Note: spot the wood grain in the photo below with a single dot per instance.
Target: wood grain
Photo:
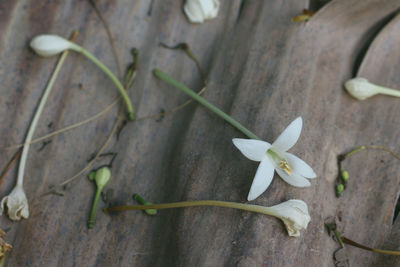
(263, 70)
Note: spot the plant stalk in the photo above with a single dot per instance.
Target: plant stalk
(216, 203)
(166, 78)
(107, 71)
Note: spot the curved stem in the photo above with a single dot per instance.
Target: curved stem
(107, 71)
(166, 78)
(216, 203)
(35, 120)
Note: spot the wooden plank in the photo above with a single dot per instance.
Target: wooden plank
(262, 69)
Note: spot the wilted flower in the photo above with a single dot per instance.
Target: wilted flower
(4, 246)
(47, 45)
(294, 214)
(17, 204)
(274, 157)
(362, 89)
(198, 11)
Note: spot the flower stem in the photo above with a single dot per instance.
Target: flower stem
(166, 78)
(360, 148)
(107, 71)
(388, 91)
(35, 120)
(216, 203)
(381, 251)
(94, 206)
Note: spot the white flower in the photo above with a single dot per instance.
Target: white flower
(198, 11)
(293, 213)
(290, 168)
(47, 45)
(362, 89)
(17, 204)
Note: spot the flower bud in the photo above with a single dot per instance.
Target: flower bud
(47, 45)
(361, 88)
(339, 189)
(102, 176)
(345, 176)
(198, 11)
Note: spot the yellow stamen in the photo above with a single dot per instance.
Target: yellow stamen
(284, 165)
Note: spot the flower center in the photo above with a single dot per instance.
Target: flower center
(284, 165)
(280, 161)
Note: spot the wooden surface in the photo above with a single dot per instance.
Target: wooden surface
(263, 70)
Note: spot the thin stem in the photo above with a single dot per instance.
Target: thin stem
(109, 34)
(360, 148)
(216, 203)
(36, 117)
(94, 206)
(165, 77)
(107, 71)
(89, 165)
(381, 251)
(388, 91)
(348, 154)
(384, 149)
(70, 127)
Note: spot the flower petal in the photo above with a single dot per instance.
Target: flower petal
(262, 179)
(294, 178)
(251, 148)
(289, 136)
(300, 166)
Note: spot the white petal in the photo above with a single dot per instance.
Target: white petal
(300, 166)
(251, 148)
(294, 178)
(262, 180)
(289, 136)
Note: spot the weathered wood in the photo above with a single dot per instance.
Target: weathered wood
(263, 70)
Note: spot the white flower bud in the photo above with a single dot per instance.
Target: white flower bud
(17, 204)
(294, 214)
(198, 11)
(361, 88)
(47, 45)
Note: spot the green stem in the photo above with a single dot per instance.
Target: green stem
(94, 206)
(381, 251)
(107, 71)
(224, 204)
(388, 91)
(165, 77)
(348, 154)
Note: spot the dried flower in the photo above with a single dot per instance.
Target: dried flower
(4, 246)
(17, 204)
(198, 11)
(274, 157)
(362, 89)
